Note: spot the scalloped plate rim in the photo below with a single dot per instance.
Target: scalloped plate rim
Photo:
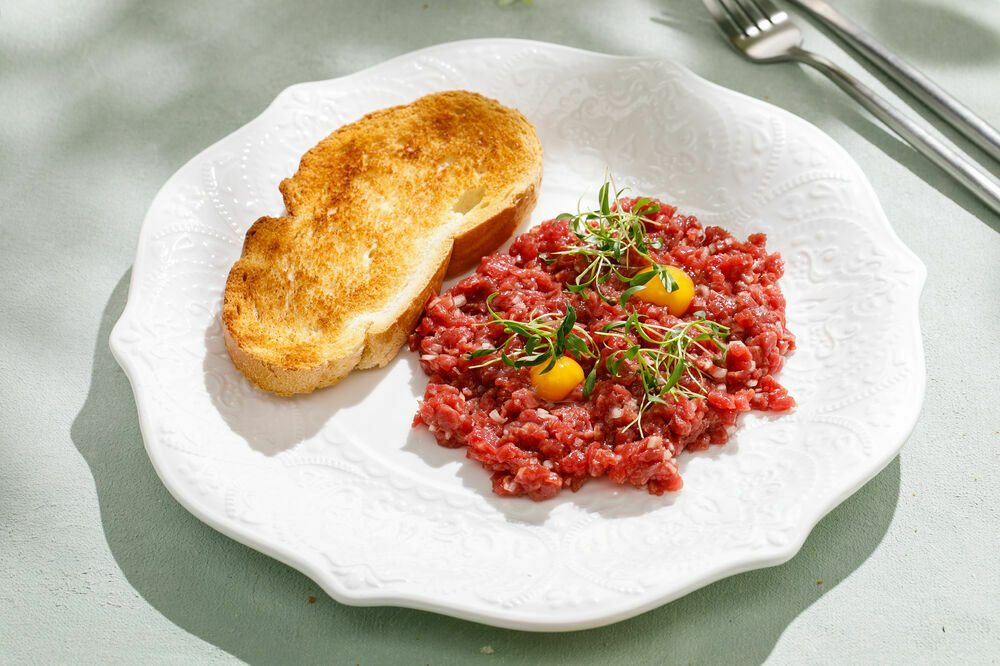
(770, 556)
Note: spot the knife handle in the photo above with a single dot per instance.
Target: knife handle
(944, 105)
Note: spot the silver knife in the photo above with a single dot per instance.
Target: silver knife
(950, 109)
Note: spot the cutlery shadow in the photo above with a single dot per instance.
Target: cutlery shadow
(977, 45)
(720, 64)
(906, 156)
(263, 611)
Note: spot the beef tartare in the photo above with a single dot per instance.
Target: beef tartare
(637, 380)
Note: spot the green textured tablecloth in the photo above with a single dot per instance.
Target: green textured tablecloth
(100, 102)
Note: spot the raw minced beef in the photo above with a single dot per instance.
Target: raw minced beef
(535, 447)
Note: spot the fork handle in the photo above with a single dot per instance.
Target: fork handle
(947, 107)
(958, 165)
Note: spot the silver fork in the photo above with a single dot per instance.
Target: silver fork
(764, 33)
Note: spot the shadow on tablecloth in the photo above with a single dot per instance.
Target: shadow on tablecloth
(265, 612)
(977, 45)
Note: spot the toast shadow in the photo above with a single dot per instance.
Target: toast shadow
(269, 423)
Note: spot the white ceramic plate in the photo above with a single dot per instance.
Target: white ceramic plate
(337, 485)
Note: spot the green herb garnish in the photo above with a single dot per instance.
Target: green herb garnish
(664, 360)
(613, 242)
(547, 338)
(662, 354)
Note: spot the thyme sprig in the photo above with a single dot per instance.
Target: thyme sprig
(609, 239)
(547, 338)
(665, 358)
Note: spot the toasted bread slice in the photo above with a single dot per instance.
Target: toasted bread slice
(378, 213)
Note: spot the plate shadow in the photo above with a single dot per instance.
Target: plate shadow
(262, 611)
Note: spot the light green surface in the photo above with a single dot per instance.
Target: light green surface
(99, 104)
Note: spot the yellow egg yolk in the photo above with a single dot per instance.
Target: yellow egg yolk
(676, 301)
(557, 383)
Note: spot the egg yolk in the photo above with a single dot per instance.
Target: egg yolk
(676, 301)
(557, 383)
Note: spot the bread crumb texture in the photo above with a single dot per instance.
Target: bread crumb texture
(373, 213)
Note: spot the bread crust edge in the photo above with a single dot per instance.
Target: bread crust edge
(383, 340)
(289, 381)
(479, 240)
(467, 249)
(388, 330)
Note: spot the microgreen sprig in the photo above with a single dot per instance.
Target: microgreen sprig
(547, 338)
(666, 357)
(662, 354)
(607, 240)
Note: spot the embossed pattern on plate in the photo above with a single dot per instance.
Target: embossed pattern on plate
(337, 485)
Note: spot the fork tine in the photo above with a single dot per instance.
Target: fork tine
(723, 20)
(755, 13)
(740, 17)
(771, 13)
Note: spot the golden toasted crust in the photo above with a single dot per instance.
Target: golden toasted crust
(378, 212)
